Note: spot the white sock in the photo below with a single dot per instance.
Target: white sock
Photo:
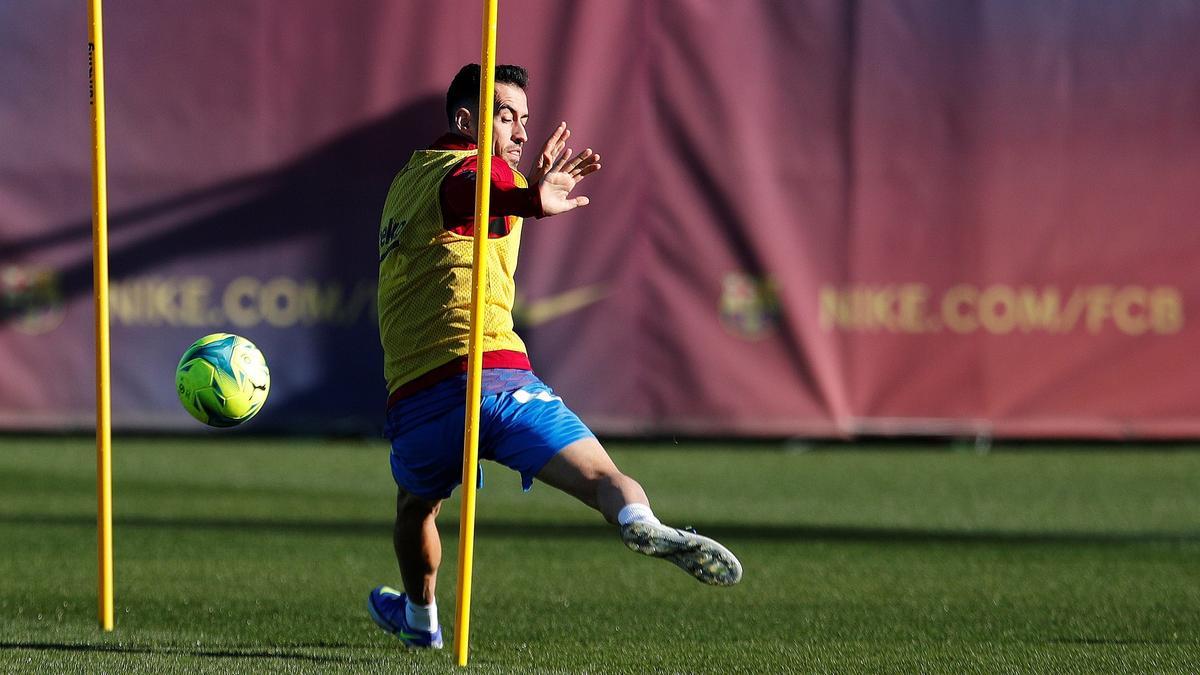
(635, 513)
(421, 617)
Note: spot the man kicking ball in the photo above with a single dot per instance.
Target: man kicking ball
(425, 253)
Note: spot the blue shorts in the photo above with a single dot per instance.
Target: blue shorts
(521, 428)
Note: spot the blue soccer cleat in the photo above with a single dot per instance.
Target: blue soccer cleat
(703, 558)
(386, 606)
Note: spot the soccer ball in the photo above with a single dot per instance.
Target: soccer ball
(222, 379)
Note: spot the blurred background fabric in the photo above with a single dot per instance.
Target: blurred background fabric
(815, 218)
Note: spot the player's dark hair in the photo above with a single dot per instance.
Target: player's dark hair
(464, 89)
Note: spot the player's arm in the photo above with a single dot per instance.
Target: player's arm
(510, 199)
(507, 198)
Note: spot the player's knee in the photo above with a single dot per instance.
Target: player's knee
(624, 482)
(601, 468)
(612, 481)
(599, 473)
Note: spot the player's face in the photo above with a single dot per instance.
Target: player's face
(508, 129)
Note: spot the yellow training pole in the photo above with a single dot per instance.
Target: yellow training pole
(483, 184)
(100, 277)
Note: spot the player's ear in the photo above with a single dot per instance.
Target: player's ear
(462, 121)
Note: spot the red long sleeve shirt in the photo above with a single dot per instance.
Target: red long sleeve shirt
(510, 196)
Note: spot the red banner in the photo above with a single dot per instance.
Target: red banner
(814, 217)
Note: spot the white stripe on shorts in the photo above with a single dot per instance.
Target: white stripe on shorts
(522, 396)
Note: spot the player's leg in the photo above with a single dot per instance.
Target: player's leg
(532, 431)
(417, 544)
(585, 471)
(412, 616)
(426, 439)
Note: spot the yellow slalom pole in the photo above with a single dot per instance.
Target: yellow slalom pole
(100, 280)
(483, 184)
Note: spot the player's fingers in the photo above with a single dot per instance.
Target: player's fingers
(581, 201)
(562, 161)
(554, 145)
(557, 150)
(586, 160)
(582, 158)
(587, 171)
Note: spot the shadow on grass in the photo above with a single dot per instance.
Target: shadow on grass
(233, 653)
(533, 530)
(1114, 641)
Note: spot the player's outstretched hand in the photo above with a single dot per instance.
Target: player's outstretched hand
(565, 173)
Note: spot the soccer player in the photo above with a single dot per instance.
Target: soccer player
(425, 253)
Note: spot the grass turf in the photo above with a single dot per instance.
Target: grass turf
(240, 554)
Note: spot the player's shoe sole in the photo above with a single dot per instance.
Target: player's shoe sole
(703, 558)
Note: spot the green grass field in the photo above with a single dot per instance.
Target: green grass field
(241, 554)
